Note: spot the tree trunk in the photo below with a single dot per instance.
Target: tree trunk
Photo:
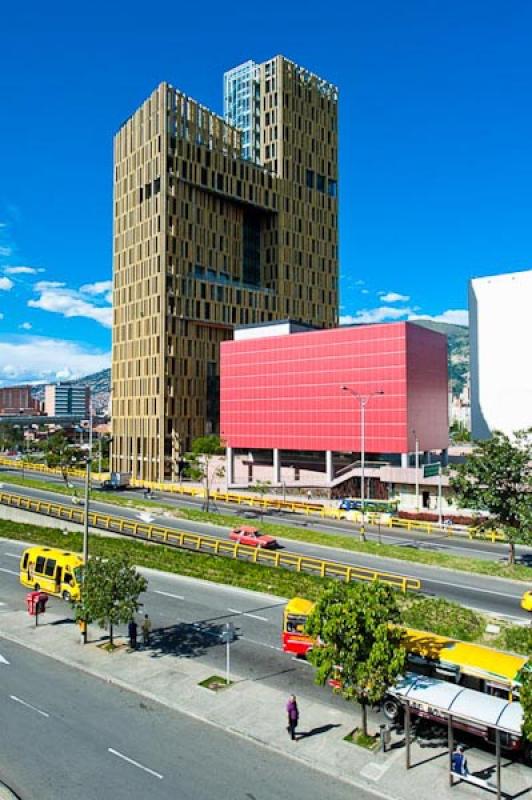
(511, 554)
(364, 717)
(111, 634)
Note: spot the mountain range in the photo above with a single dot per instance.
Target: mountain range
(457, 337)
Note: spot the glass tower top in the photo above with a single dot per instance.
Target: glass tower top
(242, 106)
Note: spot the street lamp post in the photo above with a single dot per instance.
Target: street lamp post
(86, 516)
(363, 400)
(417, 470)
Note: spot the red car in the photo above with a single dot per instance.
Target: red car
(252, 537)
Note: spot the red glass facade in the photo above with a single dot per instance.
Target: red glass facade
(285, 391)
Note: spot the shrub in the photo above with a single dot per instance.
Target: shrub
(518, 639)
(442, 617)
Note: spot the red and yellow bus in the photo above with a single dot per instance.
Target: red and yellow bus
(473, 666)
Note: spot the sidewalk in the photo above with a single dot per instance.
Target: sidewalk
(256, 712)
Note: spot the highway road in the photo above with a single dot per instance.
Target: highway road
(188, 617)
(65, 734)
(485, 593)
(453, 545)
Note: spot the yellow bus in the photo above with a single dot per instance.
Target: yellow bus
(473, 666)
(56, 572)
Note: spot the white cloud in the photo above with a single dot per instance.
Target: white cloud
(22, 270)
(364, 291)
(26, 326)
(59, 300)
(453, 316)
(1, 315)
(100, 287)
(42, 286)
(6, 284)
(38, 358)
(381, 314)
(393, 297)
(5, 251)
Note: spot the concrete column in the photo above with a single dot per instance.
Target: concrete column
(230, 466)
(329, 466)
(444, 457)
(276, 466)
(426, 457)
(405, 458)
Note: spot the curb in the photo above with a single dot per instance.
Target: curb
(6, 793)
(367, 787)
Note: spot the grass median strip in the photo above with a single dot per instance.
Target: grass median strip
(435, 614)
(464, 563)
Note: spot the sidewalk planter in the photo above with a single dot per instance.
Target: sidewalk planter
(215, 683)
(359, 738)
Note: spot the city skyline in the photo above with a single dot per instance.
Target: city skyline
(433, 162)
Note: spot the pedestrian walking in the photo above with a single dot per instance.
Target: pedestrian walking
(146, 630)
(132, 631)
(309, 495)
(293, 716)
(459, 761)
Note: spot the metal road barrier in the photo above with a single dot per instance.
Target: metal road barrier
(211, 544)
(277, 504)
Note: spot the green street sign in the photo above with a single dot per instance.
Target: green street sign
(431, 470)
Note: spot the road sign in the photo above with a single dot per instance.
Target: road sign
(431, 470)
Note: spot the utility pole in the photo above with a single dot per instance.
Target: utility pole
(86, 517)
(363, 400)
(417, 471)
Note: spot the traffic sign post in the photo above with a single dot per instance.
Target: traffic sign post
(433, 471)
(227, 636)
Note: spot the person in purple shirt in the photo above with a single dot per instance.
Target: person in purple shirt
(293, 716)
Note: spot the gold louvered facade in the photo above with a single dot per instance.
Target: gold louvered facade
(205, 240)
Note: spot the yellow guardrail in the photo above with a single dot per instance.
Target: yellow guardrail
(294, 506)
(211, 544)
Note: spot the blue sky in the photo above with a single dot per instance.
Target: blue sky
(435, 149)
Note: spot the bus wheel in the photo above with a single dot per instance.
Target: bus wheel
(391, 709)
(66, 596)
(36, 587)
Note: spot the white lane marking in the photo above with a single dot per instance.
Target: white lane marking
(28, 705)
(301, 661)
(135, 763)
(4, 660)
(260, 644)
(10, 571)
(12, 555)
(168, 594)
(247, 614)
(476, 589)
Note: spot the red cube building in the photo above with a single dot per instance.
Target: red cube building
(284, 392)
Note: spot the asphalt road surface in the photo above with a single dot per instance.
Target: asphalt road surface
(492, 595)
(435, 542)
(65, 734)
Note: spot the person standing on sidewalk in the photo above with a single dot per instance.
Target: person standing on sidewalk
(459, 761)
(132, 631)
(146, 630)
(293, 716)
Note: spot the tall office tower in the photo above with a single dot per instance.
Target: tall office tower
(209, 235)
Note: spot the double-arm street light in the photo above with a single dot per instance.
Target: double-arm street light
(363, 400)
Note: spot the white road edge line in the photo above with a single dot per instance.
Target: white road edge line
(28, 705)
(168, 594)
(135, 763)
(247, 614)
(10, 571)
(12, 555)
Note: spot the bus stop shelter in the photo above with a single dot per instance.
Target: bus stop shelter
(447, 702)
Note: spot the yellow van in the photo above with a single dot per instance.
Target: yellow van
(54, 571)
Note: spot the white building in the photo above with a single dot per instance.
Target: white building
(500, 332)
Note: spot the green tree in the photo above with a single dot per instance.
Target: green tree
(60, 452)
(261, 488)
(11, 436)
(202, 464)
(110, 592)
(525, 698)
(497, 478)
(356, 640)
